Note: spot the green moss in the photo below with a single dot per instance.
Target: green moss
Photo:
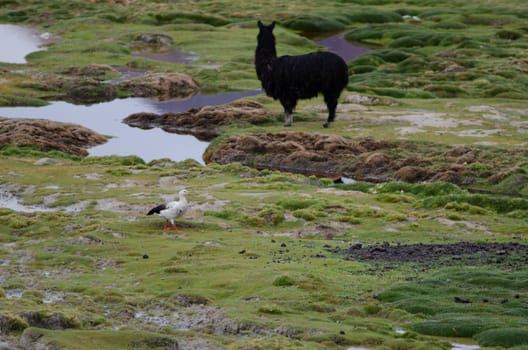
(114, 160)
(124, 264)
(468, 208)
(175, 269)
(348, 219)
(505, 337)
(188, 17)
(296, 203)
(394, 198)
(272, 215)
(224, 214)
(284, 281)
(421, 190)
(314, 24)
(309, 214)
(374, 16)
(364, 34)
(456, 326)
(360, 69)
(26, 151)
(392, 55)
(496, 203)
(271, 310)
(252, 220)
(508, 34)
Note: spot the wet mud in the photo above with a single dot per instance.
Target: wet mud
(432, 253)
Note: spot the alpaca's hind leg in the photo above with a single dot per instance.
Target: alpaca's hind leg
(331, 104)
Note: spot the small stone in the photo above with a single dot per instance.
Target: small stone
(462, 300)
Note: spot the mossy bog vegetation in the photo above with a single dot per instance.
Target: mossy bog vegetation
(237, 269)
(260, 262)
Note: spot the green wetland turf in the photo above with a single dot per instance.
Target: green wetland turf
(259, 262)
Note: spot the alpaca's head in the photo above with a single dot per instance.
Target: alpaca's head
(265, 36)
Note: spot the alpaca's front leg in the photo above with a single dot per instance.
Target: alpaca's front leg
(288, 119)
(288, 112)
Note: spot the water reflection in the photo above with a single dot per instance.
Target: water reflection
(19, 42)
(106, 118)
(172, 56)
(339, 45)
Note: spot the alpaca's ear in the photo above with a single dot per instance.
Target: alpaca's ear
(273, 25)
(260, 24)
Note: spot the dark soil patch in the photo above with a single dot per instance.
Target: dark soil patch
(424, 253)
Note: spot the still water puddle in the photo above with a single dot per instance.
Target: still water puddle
(106, 118)
(338, 45)
(172, 56)
(20, 42)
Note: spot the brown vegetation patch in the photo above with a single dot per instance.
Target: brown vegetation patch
(48, 135)
(364, 159)
(204, 122)
(163, 86)
(89, 84)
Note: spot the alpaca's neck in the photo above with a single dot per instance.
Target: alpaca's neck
(264, 57)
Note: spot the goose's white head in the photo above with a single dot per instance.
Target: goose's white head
(183, 193)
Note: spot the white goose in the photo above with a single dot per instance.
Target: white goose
(171, 210)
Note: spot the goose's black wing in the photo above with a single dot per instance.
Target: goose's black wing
(156, 210)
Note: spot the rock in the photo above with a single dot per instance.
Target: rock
(10, 323)
(250, 143)
(467, 158)
(155, 39)
(53, 320)
(45, 161)
(462, 300)
(155, 342)
(187, 300)
(88, 92)
(48, 135)
(91, 70)
(458, 151)
(411, 174)
(377, 160)
(368, 100)
(163, 86)
(32, 338)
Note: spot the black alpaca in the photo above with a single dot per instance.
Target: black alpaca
(290, 78)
